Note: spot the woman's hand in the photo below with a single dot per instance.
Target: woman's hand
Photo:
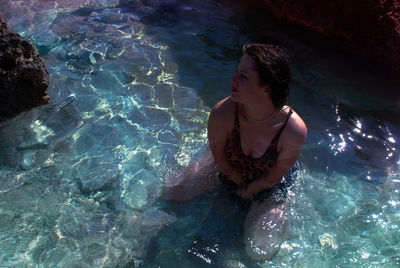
(254, 188)
(236, 178)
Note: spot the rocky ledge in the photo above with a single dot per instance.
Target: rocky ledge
(369, 28)
(23, 76)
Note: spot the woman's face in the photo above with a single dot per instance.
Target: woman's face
(245, 83)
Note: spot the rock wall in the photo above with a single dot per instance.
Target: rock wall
(370, 28)
(23, 76)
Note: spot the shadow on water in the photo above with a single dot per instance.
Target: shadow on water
(314, 56)
(205, 53)
(208, 233)
(319, 63)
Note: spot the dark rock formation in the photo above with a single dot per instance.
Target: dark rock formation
(23, 76)
(369, 28)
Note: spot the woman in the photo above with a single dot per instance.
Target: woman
(255, 139)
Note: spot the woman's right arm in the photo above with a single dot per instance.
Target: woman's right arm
(220, 124)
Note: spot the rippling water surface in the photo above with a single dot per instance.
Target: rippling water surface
(132, 83)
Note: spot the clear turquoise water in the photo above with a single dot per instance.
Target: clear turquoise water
(131, 88)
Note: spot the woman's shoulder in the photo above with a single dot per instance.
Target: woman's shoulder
(296, 129)
(224, 109)
(222, 116)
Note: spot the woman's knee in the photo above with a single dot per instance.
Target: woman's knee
(265, 228)
(263, 247)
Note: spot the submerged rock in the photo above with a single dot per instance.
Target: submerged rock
(146, 225)
(23, 76)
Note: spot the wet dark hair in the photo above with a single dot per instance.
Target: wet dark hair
(273, 70)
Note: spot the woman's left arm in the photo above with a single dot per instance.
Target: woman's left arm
(292, 140)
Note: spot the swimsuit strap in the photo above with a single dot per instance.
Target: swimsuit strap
(284, 125)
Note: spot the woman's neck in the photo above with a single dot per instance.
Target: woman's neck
(259, 113)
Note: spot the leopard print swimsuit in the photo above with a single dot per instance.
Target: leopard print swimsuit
(249, 167)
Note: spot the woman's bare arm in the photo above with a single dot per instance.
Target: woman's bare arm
(219, 126)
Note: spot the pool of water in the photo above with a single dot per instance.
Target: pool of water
(132, 83)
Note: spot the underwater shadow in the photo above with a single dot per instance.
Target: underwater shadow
(208, 233)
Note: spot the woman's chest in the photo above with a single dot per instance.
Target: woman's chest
(255, 141)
